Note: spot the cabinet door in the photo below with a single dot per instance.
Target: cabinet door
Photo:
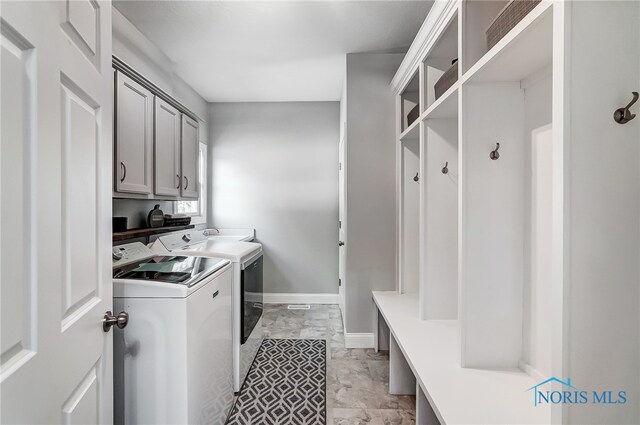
(166, 149)
(134, 115)
(189, 157)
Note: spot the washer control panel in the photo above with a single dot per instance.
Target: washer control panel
(130, 253)
(182, 240)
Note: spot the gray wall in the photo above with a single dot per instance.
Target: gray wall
(274, 167)
(371, 185)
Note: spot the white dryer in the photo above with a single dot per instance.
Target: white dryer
(246, 258)
(173, 360)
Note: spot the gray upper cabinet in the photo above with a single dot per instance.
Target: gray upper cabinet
(167, 177)
(134, 137)
(156, 143)
(189, 157)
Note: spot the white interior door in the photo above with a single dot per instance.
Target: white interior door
(341, 231)
(55, 174)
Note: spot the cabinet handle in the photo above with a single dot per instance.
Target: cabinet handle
(186, 182)
(178, 176)
(124, 171)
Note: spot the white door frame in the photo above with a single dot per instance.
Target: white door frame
(342, 217)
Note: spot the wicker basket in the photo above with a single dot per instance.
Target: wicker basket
(508, 18)
(449, 77)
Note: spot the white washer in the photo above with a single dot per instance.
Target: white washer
(173, 360)
(246, 258)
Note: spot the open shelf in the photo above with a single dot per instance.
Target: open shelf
(477, 17)
(456, 395)
(147, 231)
(410, 103)
(525, 49)
(440, 60)
(412, 132)
(446, 106)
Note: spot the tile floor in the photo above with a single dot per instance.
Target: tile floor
(357, 379)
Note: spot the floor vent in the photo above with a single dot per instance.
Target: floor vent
(298, 307)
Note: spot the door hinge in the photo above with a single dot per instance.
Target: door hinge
(339, 165)
(339, 282)
(339, 224)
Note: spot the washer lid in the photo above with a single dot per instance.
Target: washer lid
(125, 288)
(179, 270)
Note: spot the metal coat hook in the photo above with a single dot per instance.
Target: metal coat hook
(416, 178)
(494, 153)
(445, 169)
(624, 115)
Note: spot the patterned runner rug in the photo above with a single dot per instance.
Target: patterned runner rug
(285, 385)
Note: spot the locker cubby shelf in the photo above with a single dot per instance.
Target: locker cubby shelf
(478, 15)
(411, 132)
(439, 59)
(502, 245)
(524, 50)
(507, 100)
(477, 222)
(446, 106)
(410, 103)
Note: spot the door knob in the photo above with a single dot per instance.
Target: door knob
(340, 243)
(120, 320)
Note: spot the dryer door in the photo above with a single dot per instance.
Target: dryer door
(251, 293)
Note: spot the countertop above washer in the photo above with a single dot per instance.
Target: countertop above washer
(195, 243)
(236, 251)
(246, 235)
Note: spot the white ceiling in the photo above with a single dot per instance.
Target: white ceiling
(257, 51)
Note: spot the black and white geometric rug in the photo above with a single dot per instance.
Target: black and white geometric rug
(285, 385)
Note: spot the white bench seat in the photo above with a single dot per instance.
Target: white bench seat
(456, 395)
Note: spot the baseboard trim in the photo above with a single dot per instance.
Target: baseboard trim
(280, 298)
(359, 340)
